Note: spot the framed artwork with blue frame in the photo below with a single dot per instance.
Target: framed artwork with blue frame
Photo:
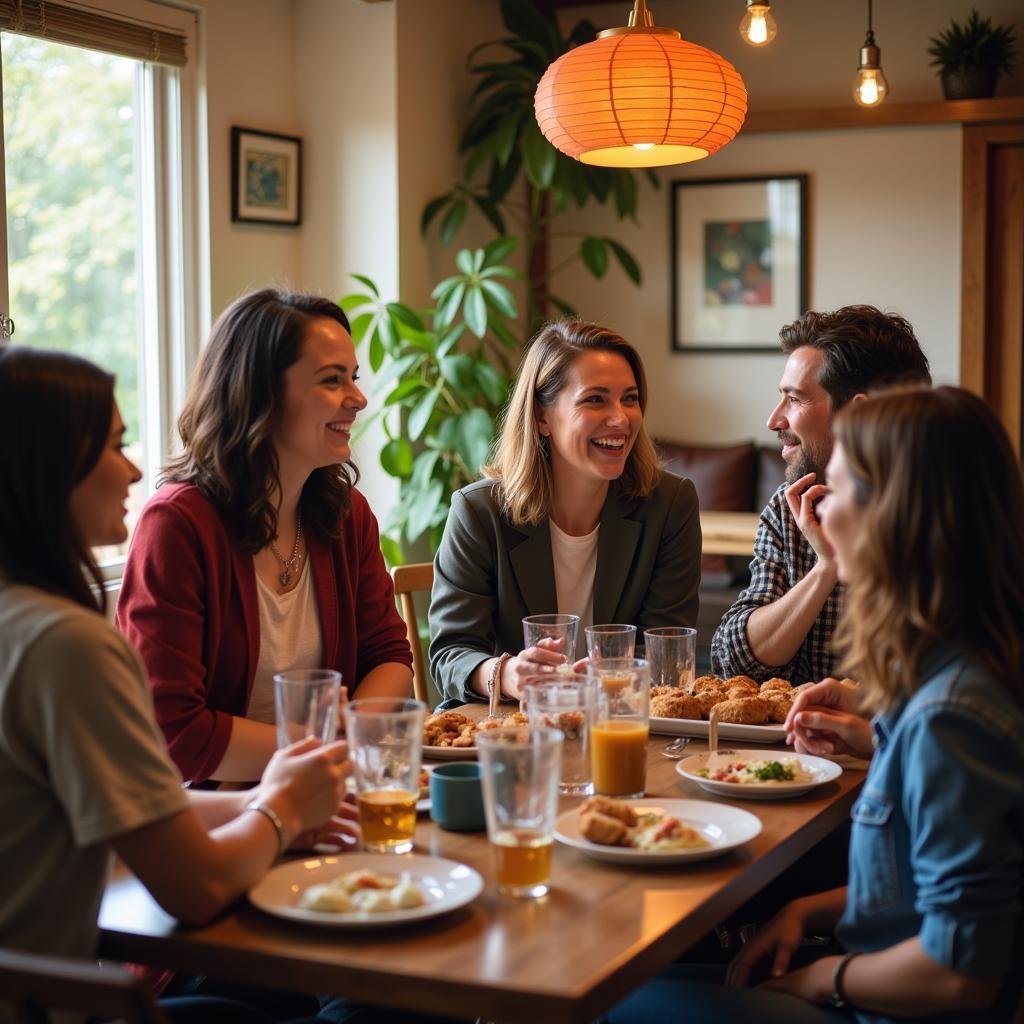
(739, 261)
(266, 177)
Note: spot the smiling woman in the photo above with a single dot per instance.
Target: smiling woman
(258, 554)
(575, 516)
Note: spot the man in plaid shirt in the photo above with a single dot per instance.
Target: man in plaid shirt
(782, 624)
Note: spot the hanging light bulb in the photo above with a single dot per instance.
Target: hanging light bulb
(758, 26)
(870, 86)
(640, 96)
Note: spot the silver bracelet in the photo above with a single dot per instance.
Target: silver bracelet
(274, 818)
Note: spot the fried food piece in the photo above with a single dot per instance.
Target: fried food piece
(779, 703)
(744, 681)
(603, 828)
(702, 683)
(676, 705)
(612, 808)
(746, 711)
(660, 691)
(708, 698)
(783, 685)
(740, 693)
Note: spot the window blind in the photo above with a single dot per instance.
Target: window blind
(81, 25)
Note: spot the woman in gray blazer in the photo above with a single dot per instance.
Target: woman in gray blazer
(574, 515)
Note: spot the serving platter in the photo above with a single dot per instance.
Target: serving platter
(726, 730)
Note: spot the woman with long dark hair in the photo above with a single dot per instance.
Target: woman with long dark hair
(83, 767)
(258, 554)
(924, 513)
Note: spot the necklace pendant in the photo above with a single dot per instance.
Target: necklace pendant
(285, 578)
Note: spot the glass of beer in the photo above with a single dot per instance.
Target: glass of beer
(385, 737)
(306, 704)
(619, 725)
(521, 767)
(563, 702)
(671, 653)
(615, 640)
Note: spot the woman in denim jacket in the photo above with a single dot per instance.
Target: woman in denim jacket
(924, 511)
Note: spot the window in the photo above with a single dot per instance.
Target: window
(99, 152)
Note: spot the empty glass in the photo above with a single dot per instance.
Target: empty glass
(385, 736)
(520, 769)
(560, 634)
(671, 653)
(616, 640)
(563, 702)
(306, 704)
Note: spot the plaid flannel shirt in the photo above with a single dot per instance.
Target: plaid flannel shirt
(782, 557)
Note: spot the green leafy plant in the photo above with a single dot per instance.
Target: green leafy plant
(974, 45)
(502, 144)
(443, 378)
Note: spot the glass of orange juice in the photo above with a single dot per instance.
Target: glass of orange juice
(385, 737)
(619, 725)
(520, 771)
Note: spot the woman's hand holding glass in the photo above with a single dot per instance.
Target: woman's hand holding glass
(543, 657)
(826, 719)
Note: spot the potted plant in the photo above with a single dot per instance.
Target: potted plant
(443, 379)
(503, 147)
(971, 56)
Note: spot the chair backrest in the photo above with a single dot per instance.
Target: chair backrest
(408, 580)
(34, 986)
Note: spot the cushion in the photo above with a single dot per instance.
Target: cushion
(771, 471)
(723, 476)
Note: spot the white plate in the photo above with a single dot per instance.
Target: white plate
(447, 884)
(450, 753)
(726, 730)
(723, 826)
(819, 768)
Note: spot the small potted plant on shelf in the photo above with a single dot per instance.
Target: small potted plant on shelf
(971, 55)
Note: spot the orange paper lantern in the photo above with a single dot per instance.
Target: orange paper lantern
(640, 97)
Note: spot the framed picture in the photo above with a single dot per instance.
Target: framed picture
(739, 261)
(266, 177)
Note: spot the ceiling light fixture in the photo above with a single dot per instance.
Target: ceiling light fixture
(758, 27)
(640, 96)
(870, 86)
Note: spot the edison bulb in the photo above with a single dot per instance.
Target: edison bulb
(758, 27)
(870, 87)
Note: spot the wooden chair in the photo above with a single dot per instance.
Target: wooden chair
(34, 986)
(408, 580)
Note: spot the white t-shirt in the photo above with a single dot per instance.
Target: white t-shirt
(290, 637)
(575, 561)
(81, 761)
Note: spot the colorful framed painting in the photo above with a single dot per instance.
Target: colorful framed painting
(266, 177)
(739, 261)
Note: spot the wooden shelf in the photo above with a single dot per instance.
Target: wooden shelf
(888, 115)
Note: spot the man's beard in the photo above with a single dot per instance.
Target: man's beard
(813, 458)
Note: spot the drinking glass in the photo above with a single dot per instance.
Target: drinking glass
(306, 704)
(615, 640)
(561, 631)
(671, 652)
(385, 737)
(619, 726)
(563, 702)
(520, 768)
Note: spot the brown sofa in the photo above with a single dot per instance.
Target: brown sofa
(730, 478)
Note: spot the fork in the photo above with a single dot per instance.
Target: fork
(676, 747)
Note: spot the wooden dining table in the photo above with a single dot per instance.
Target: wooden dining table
(601, 931)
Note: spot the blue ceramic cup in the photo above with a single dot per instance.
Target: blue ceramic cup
(456, 798)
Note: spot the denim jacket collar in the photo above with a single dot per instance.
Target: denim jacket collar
(934, 660)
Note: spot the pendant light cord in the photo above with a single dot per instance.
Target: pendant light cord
(870, 41)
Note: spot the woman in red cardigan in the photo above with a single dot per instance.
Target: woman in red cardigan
(258, 554)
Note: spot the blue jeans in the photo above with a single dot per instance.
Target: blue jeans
(696, 994)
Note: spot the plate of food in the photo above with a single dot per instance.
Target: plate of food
(451, 735)
(745, 710)
(756, 775)
(366, 890)
(652, 832)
